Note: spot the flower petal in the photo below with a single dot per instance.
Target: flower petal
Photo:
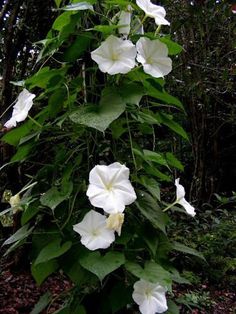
(115, 55)
(94, 232)
(189, 208)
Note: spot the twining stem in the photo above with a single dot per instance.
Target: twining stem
(131, 141)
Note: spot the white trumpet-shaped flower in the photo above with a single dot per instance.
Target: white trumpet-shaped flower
(150, 297)
(124, 21)
(110, 188)
(94, 232)
(153, 55)
(21, 108)
(115, 222)
(115, 55)
(180, 194)
(152, 10)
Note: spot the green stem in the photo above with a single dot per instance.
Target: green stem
(169, 206)
(131, 141)
(139, 25)
(35, 122)
(158, 30)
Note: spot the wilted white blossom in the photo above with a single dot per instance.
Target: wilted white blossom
(180, 194)
(21, 108)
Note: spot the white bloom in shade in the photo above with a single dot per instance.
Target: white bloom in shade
(110, 188)
(115, 222)
(94, 232)
(180, 194)
(153, 55)
(21, 108)
(115, 55)
(150, 297)
(124, 21)
(152, 10)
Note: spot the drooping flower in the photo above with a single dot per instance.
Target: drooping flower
(150, 297)
(180, 194)
(21, 108)
(15, 203)
(94, 232)
(115, 222)
(152, 10)
(124, 21)
(115, 55)
(110, 188)
(153, 55)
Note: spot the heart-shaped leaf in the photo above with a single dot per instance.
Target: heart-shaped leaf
(152, 272)
(102, 265)
(100, 116)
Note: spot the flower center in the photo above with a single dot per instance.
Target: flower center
(96, 232)
(148, 293)
(149, 60)
(109, 186)
(114, 56)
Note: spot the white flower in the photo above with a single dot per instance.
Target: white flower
(153, 55)
(21, 108)
(150, 297)
(110, 188)
(124, 21)
(94, 233)
(115, 55)
(180, 194)
(152, 10)
(115, 222)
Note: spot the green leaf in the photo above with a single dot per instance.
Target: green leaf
(151, 210)
(132, 93)
(46, 75)
(120, 296)
(154, 157)
(62, 20)
(151, 272)
(156, 91)
(52, 250)
(23, 151)
(42, 303)
(174, 162)
(101, 266)
(58, 2)
(30, 212)
(14, 136)
(77, 48)
(172, 308)
(53, 197)
(41, 271)
(80, 6)
(151, 185)
(20, 234)
(173, 47)
(185, 249)
(153, 171)
(100, 116)
(168, 121)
